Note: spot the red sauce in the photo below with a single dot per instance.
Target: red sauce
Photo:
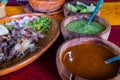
(87, 61)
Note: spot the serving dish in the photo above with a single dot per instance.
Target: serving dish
(29, 9)
(43, 44)
(67, 34)
(65, 72)
(46, 5)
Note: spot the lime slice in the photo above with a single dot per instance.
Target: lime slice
(72, 8)
(81, 7)
(3, 30)
(84, 11)
(79, 3)
(91, 8)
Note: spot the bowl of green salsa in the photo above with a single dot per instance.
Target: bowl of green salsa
(79, 7)
(76, 26)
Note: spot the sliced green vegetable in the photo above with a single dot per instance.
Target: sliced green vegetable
(80, 7)
(91, 8)
(84, 11)
(72, 8)
(79, 3)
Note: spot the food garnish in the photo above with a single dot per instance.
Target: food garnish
(41, 24)
(80, 7)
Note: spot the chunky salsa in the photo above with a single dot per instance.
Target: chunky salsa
(81, 26)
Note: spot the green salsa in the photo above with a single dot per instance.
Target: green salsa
(81, 26)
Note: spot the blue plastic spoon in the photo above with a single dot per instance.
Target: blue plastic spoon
(99, 4)
(116, 58)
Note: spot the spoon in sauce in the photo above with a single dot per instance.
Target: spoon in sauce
(99, 4)
(116, 58)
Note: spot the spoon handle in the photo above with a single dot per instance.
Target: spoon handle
(99, 4)
(116, 58)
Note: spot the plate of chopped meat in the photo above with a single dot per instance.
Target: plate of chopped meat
(24, 38)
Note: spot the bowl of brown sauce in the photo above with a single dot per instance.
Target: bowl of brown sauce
(84, 59)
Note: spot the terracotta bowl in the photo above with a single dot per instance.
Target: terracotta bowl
(64, 72)
(43, 44)
(46, 5)
(70, 35)
(68, 12)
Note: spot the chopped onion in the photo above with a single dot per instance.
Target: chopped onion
(3, 30)
(17, 47)
(32, 47)
(25, 45)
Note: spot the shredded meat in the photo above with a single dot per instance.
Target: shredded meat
(18, 42)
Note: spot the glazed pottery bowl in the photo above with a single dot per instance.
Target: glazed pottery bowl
(46, 5)
(70, 35)
(68, 75)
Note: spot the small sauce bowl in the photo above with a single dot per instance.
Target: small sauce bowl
(46, 5)
(70, 35)
(68, 75)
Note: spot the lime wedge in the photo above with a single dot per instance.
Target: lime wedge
(81, 7)
(72, 8)
(79, 3)
(90, 8)
(84, 11)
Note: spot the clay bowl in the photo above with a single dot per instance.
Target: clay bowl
(68, 12)
(29, 9)
(46, 5)
(65, 73)
(43, 44)
(70, 35)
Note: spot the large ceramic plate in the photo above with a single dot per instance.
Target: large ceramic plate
(43, 44)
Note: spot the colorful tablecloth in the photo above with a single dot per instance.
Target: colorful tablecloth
(44, 68)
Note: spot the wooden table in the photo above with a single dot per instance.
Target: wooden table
(44, 68)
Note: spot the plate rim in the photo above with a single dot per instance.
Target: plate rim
(27, 61)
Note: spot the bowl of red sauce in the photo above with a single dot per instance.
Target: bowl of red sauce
(84, 59)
